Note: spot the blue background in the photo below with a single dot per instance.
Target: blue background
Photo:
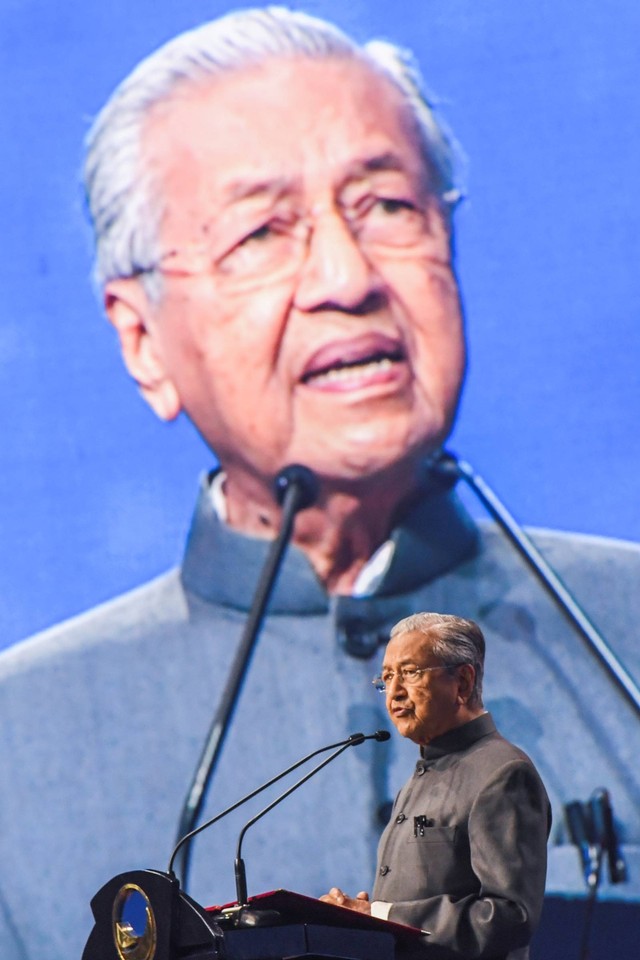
(544, 96)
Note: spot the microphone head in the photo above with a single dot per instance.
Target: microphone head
(576, 823)
(357, 738)
(301, 477)
(444, 469)
(382, 735)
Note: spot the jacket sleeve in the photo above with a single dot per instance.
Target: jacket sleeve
(508, 827)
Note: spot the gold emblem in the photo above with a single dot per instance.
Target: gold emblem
(134, 925)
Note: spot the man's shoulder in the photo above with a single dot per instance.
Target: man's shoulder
(570, 549)
(504, 751)
(495, 757)
(601, 573)
(137, 613)
(496, 585)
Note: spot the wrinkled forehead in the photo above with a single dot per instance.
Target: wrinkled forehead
(287, 118)
(412, 646)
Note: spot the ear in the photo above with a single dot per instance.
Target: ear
(466, 680)
(128, 309)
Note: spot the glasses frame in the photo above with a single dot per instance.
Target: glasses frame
(207, 263)
(381, 686)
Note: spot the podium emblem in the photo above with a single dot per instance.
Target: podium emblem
(134, 924)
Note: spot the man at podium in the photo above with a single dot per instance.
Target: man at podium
(463, 856)
(273, 213)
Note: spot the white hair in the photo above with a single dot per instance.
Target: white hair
(453, 640)
(125, 205)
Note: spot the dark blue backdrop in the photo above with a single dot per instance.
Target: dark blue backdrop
(543, 95)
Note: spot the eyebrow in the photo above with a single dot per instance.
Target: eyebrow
(382, 161)
(361, 168)
(247, 189)
(410, 662)
(279, 186)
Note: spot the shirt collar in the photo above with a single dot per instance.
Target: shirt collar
(372, 572)
(459, 738)
(222, 566)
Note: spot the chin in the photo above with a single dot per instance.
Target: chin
(362, 458)
(364, 476)
(405, 729)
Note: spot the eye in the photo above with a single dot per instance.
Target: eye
(394, 205)
(387, 676)
(261, 233)
(371, 205)
(411, 673)
(390, 221)
(259, 249)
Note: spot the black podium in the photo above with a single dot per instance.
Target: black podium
(143, 915)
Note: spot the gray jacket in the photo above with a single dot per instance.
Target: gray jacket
(464, 854)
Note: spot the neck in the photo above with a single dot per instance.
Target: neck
(468, 713)
(339, 534)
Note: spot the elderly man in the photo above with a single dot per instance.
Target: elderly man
(464, 853)
(272, 206)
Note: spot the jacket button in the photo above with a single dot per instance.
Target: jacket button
(400, 818)
(384, 871)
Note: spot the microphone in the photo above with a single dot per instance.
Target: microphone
(295, 488)
(379, 735)
(241, 876)
(606, 836)
(447, 469)
(353, 740)
(579, 836)
(299, 482)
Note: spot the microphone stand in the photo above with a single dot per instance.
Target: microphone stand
(449, 469)
(240, 872)
(592, 894)
(591, 830)
(295, 489)
(355, 738)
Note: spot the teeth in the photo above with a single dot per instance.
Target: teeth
(339, 374)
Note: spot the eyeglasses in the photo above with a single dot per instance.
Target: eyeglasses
(272, 248)
(408, 675)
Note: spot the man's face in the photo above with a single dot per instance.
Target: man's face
(255, 369)
(429, 706)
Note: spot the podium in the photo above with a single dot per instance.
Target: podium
(143, 915)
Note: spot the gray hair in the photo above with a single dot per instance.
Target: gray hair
(122, 200)
(453, 640)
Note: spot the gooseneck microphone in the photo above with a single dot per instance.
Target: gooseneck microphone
(592, 830)
(449, 468)
(241, 876)
(295, 489)
(353, 740)
(606, 835)
(580, 834)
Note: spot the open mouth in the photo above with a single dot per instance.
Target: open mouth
(364, 359)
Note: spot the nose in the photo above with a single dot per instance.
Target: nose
(396, 688)
(336, 274)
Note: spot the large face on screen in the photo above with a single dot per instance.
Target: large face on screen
(309, 311)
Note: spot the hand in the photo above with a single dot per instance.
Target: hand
(360, 903)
